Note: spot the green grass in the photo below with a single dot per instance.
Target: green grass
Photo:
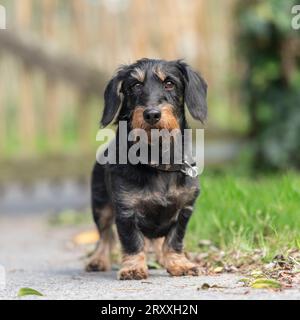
(245, 213)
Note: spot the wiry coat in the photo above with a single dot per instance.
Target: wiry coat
(142, 200)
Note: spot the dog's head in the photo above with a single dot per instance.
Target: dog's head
(152, 94)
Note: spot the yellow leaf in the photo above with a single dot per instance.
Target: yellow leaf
(218, 269)
(86, 237)
(263, 283)
(256, 273)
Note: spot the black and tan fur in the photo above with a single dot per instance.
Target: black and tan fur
(143, 202)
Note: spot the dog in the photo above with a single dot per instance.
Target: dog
(147, 201)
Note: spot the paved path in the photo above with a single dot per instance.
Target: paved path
(44, 258)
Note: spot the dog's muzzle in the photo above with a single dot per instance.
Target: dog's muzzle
(152, 115)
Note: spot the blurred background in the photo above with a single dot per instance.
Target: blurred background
(56, 56)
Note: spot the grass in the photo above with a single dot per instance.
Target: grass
(241, 215)
(246, 213)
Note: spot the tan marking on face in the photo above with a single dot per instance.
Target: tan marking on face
(138, 74)
(133, 267)
(158, 71)
(168, 119)
(138, 121)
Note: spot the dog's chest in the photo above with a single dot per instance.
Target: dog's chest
(160, 195)
(159, 210)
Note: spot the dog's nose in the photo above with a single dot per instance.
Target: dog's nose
(152, 116)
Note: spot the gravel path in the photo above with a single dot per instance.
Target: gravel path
(44, 258)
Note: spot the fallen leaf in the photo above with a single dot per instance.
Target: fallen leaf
(218, 269)
(206, 286)
(256, 273)
(262, 283)
(86, 237)
(28, 292)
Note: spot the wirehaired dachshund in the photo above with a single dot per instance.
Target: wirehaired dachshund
(147, 202)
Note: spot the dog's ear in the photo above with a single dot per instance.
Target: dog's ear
(195, 92)
(112, 100)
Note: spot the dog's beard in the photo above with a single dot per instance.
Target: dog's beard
(163, 147)
(168, 120)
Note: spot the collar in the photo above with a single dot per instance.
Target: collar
(188, 169)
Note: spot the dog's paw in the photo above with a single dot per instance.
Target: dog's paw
(189, 269)
(179, 265)
(133, 274)
(97, 264)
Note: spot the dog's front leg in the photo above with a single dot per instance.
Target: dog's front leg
(134, 266)
(174, 258)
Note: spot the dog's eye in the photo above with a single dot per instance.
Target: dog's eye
(137, 86)
(169, 85)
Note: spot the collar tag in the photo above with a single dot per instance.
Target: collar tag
(191, 171)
